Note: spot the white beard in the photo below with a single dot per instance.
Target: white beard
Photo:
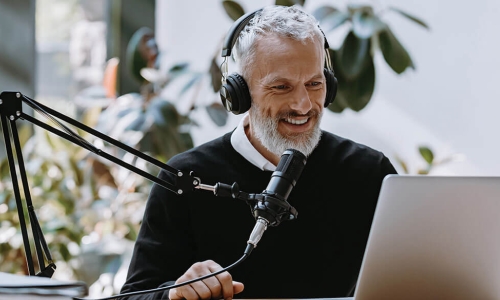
(266, 131)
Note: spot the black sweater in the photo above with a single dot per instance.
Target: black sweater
(318, 255)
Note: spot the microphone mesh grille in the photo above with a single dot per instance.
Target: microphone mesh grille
(291, 164)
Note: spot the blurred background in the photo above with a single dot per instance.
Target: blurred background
(417, 81)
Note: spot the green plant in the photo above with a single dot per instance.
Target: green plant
(76, 195)
(147, 120)
(353, 61)
(430, 161)
(154, 121)
(80, 197)
(152, 126)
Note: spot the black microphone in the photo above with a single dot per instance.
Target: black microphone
(272, 206)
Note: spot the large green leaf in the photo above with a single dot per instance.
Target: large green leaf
(330, 17)
(354, 55)
(163, 112)
(355, 93)
(154, 146)
(426, 153)
(290, 2)
(338, 105)
(323, 11)
(365, 23)
(217, 113)
(179, 67)
(174, 72)
(136, 121)
(187, 140)
(163, 142)
(413, 18)
(233, 9)
(163, 137)
(394, 53)
(135, 60)
(215, 75)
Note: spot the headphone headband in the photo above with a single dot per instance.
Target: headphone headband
(237, 27)
(235, 30)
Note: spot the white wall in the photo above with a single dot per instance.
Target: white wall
(448, 103)
(454, 91)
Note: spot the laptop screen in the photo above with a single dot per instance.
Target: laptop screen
(433, 237)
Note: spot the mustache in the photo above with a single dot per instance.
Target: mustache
(293, 113)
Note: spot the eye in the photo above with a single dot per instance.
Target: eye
(315, 84)
(280, 87)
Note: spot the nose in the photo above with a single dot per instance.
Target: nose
(300, 100)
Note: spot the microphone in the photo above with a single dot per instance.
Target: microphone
(272, 206)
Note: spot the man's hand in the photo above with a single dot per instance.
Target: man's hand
(214, 287)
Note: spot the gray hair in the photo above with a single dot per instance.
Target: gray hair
(285, 21)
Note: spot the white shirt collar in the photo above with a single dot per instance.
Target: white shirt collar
(242, 145)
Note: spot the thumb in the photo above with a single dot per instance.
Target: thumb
(237, 287)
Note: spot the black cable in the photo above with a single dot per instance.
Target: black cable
(247, 252)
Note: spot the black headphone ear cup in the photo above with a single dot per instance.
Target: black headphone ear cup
(331, 86)
(235, 95)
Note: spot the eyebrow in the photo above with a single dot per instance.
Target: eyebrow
(275, 79)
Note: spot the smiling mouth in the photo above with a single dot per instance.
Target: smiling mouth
(296, 122)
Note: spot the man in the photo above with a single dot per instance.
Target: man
(318, 255)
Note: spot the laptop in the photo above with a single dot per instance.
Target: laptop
(433, 237)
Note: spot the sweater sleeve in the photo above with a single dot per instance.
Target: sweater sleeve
(387, 167)
(164, 249)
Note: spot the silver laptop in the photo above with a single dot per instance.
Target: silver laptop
(433, 237)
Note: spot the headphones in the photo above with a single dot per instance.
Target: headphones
(234, 91)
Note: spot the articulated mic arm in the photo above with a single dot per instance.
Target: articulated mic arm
(10, 112)
(269, 207)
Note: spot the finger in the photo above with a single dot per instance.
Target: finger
(225, 281)
(183, 292)
(195, 290)
(201, 289)
(238, 287)
(213, 284)
(208, 287)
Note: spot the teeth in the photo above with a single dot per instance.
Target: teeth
(297, 122)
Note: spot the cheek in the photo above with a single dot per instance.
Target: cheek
(266, 111)
(318, 98)
(266, 105)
